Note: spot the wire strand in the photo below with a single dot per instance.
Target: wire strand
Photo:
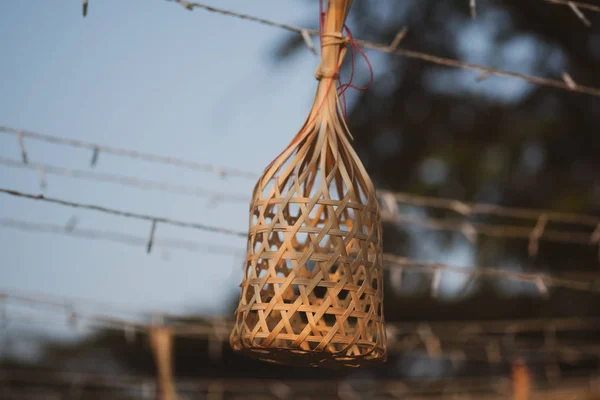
(541, 280)
(455, 340)
(444, 61)
(391, 212)
(586, 6)
(126, 214)
(388, 198)
(127, 181)
(130, 153)
(121, 238)
(271, 388)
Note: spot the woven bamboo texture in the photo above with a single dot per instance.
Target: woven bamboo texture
(313, 286)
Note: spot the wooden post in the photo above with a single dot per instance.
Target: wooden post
(521, 381)
(161, 340)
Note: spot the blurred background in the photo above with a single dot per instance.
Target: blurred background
(147, 108)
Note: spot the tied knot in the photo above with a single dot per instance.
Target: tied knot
(324, 72)
(330, 39)
(333, 38)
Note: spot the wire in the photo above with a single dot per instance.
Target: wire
(118, 237)
(130, 153)
(448, 62)
(127, 181)
(246, 386)
(405, 387)
(587, 6)
(194, 325)
(467, 208)
(460, 207)
(464, 342)
(126, 214)
(390, 201)
(540, 280)
(392, 215)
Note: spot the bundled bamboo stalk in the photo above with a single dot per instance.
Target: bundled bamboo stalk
(313, 286)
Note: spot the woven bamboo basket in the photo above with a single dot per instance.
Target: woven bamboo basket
(313, 286)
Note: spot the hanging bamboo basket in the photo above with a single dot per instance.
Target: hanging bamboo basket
(312, 294)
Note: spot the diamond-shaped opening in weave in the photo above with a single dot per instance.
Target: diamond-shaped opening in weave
(344, 222)
(292, 210)
(343, 294)
(372, 253)
(363, 296)
(252, 319)
(351, 324)
(266, 293)
(249, 294)
(329, 319)
(301, 240)
(333, 270)
(317, 214)
(327, 244)
(320, 292)
(310, 265)
(261, 271)
(303, 317)
(375, 283)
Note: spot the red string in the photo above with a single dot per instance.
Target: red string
(343, 87)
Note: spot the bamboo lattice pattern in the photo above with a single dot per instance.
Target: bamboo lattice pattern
(313, 286)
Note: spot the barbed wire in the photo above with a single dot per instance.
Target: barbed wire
(587, 6)
(278, 389)
(390, 201)
(467, 208)
(541, 281)
(476, 341)
(127, 181)
(194, 324)
(567, 84)
(121, 238)
(461, 207)
(97, 149)
(391, 211)
(187, 245)
(127, 214)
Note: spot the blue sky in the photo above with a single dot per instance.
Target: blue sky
(151, 76)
